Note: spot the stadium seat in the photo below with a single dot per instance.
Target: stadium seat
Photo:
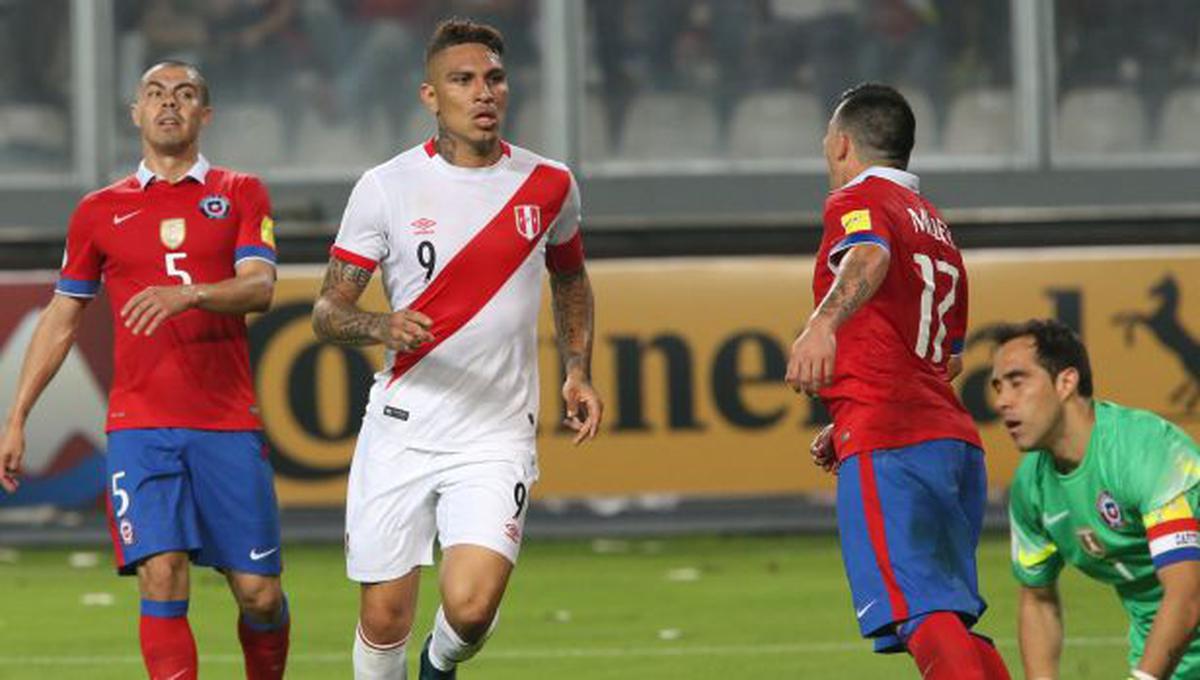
(981, 121)
(528, 128)
(670, 126)
(35, 131)
(1180, 130)
(245, 136)
(1100, 120)
(923, 111)
(777, 124)
(321, 144)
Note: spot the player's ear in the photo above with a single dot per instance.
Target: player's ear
(133, 114)
(429, 98)
(1066, 383)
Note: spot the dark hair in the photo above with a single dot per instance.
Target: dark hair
(201, 82)
(1058, 348)
(459, 31)
(880, 121)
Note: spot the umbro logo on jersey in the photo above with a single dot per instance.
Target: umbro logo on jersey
(529, 220)
(423, 226)
(118, 219)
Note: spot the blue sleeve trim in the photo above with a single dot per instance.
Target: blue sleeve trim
(173, 609)
(855, 240)
(956, 346)
(859, 239)
(1178, 555)
(257, 252)
(77, 287)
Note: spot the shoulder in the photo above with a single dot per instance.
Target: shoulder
(1125, 424)
(233, 181)
(524, 160)
(399, 167)
(105, 196)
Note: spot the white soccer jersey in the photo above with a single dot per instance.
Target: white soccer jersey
(466, 247)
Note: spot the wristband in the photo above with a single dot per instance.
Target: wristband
(1137, 674)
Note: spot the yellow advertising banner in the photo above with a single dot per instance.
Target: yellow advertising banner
(690, 356)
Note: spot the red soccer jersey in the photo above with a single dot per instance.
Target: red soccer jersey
(889, 388)
(194, 371)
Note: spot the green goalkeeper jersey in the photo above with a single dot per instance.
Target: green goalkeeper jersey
(1129, 508)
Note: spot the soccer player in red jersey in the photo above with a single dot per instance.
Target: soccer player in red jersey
(185, 249)
(880, 350)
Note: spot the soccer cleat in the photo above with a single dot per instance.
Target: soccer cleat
(428, 670)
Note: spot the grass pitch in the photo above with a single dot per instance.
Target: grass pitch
(695, 608)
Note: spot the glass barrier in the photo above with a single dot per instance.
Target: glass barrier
(35, 87)
(310, 87)
(676, 81)
(1128, 79)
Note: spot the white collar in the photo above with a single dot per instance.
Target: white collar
(905, 179)
(198, 171)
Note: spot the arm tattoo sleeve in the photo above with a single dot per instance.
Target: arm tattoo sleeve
(858, 280)
(573, 319)
(336, 316)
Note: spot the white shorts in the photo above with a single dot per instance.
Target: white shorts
(401, 498)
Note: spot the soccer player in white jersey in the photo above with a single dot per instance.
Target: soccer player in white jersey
(461, 227)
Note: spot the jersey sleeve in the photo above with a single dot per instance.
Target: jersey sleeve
(1036, 561)
(956, 320)
(850, 220)
(362, 236)
(82, 261)
(1167, 483)
(256, 227)
(564, 242)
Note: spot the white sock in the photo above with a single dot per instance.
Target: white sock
(447, 649)
(378, 662)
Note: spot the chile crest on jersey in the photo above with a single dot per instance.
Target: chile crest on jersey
(215, 207)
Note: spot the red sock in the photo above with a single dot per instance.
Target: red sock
(944, 650)
(265, 647)
(168, 647)
(993, 663)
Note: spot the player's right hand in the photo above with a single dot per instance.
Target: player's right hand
(823, 454)
(12, 450)
(408, 330)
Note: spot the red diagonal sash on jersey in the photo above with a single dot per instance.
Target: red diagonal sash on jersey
(483, 266)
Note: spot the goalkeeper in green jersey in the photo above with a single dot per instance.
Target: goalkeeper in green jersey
(1112, 490)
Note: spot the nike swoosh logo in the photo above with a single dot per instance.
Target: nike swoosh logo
(256, 555)
(178, 675)
(1051, 520)
(859, 613)
(118, 219)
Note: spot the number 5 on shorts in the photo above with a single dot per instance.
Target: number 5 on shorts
(120, 494)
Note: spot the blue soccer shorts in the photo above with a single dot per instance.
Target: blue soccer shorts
(207, 493)
(909, 522)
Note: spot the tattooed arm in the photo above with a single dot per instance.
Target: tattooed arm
(571, 298)
(862, 271)
(337, 318)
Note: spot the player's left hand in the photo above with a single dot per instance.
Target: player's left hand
(810, 366)
(584, 408)
(146, 311)
(823, 454)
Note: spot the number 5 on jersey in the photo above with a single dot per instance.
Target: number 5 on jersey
(173, 270)
(928, 266)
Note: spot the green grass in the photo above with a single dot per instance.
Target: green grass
(734, 607)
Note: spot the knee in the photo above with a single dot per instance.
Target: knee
(164, 577)
(260, 599)
(470, 615)
(385, 623)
